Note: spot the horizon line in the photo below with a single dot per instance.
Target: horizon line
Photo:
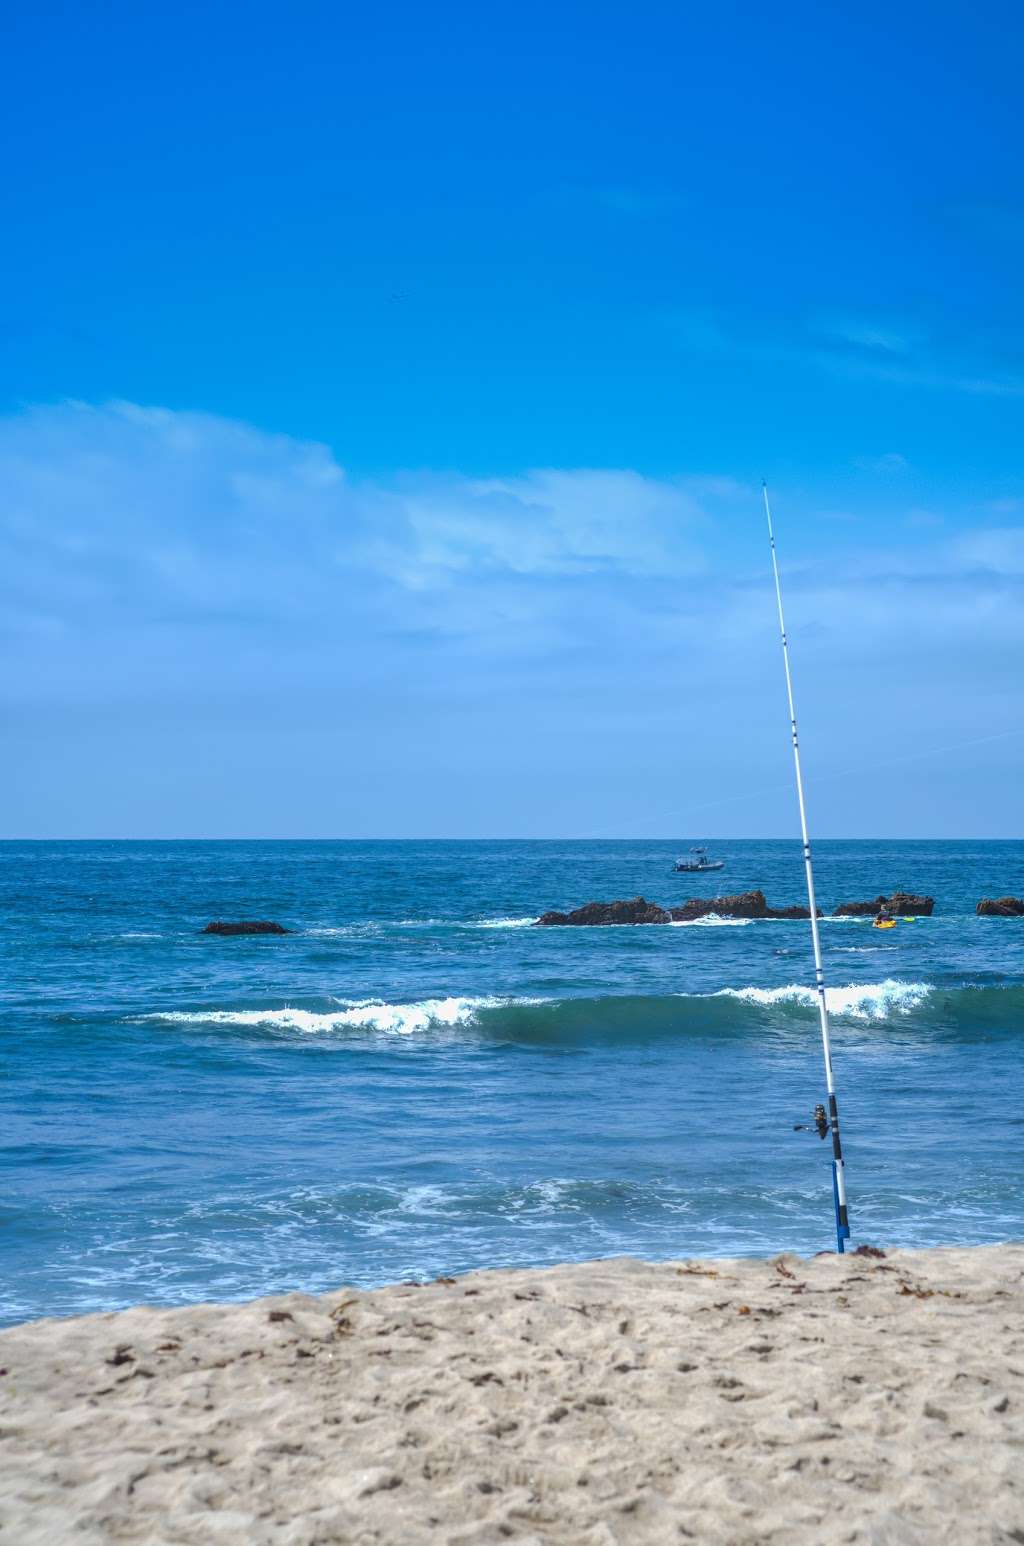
(653, 838)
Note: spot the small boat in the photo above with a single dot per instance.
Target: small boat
(884, 923)
(698, 862)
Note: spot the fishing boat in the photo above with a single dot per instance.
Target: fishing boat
(698, 863)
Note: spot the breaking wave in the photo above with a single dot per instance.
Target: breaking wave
(861, 1001)
(711, 921)
(504, 923)
(370, 1015)
(962, 1010)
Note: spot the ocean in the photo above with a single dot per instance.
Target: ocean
(416, 1082)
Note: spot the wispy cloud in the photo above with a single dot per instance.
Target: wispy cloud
(898, 350)
(996, 551)
(872, 337)
(633, 201)
(123, 517)
(173, 570)
(999, 219)
(128, 518)
(1003, 506)
(888, 464)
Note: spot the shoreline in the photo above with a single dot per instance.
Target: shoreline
(875, 1398)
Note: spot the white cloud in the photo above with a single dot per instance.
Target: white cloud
(553, 521)
(211, 581)
(889, 462)
(997, 550)
(1004, 506)
(134, 535)
(874, 335)
(122, 522)
(94, 490)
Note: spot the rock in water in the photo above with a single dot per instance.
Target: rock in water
(246, 926)
(1001, 907)
(638, 910)
(748, 904)
(902, 904)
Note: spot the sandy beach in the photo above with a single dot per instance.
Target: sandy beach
(865, 1398)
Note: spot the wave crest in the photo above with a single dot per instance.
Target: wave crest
(505, 923)
(978, 1009)
(861, 1001)
(369, 1015)
(712, 921)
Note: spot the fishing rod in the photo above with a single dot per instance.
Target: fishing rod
(831, 1123)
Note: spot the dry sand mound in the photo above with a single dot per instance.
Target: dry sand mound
(839, 1399)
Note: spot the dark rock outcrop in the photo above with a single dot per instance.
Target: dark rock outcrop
(1001, 907)
(638, 910)
(246, 926)
(902, 904)
(748, 904)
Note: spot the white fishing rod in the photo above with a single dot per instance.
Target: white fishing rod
(831, 1124)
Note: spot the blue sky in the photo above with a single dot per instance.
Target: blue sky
(385, 397)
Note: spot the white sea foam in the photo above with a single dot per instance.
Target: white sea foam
(371, 1015)
(374, 926)
(710, 921)
(505, 923)
(381, 925)
(861, 1001)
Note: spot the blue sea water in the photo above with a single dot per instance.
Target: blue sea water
(416, 1081)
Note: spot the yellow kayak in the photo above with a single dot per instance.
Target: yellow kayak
(884, 923)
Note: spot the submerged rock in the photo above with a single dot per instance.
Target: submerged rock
(246, 926)
(748, 904)
(1001, 907)
(902, 904)
(638, 910)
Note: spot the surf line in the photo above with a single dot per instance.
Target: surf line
(832, 1125)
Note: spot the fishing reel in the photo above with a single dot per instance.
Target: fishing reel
(820, 1123)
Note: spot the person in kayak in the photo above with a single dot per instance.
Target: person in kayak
(884, 915)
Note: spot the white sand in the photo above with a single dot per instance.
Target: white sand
(838, 1399)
